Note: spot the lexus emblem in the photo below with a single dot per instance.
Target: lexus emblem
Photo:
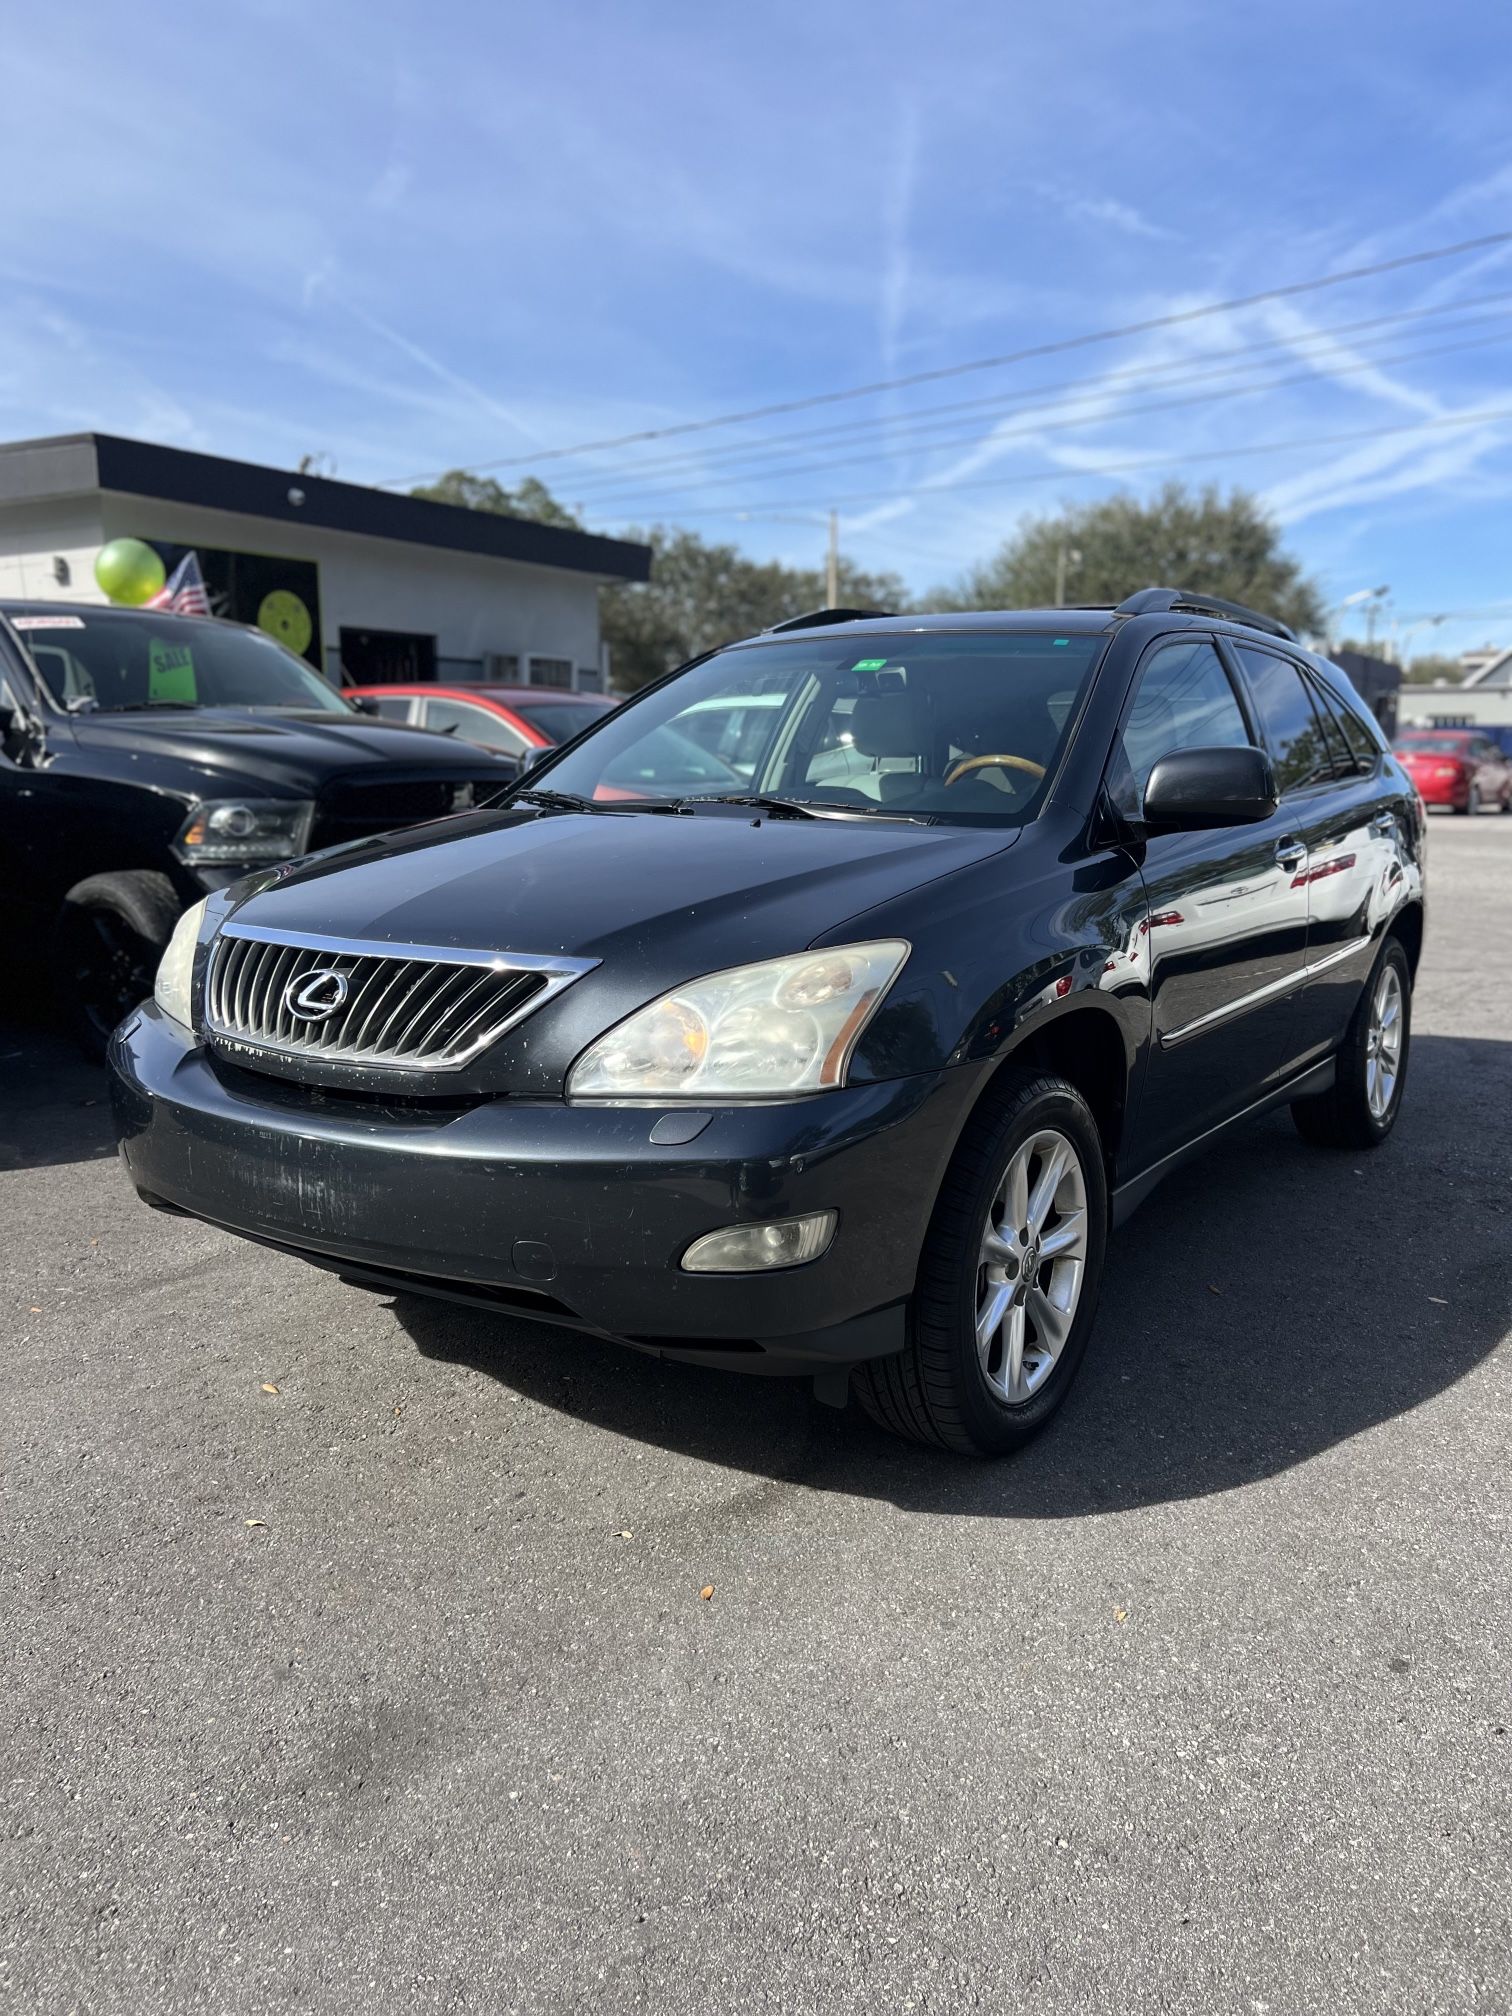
(315, 997)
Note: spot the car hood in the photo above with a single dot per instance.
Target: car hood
(668, 895)
(292, 753)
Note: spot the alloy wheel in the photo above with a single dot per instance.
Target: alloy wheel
(1383, 1043)
(1030, 1264)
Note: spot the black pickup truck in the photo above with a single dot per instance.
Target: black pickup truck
(146, 758)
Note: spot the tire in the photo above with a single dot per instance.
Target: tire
(1471, 805)
(1506, 804)
(938, 1389)
(1344, 1116)
(110, 934)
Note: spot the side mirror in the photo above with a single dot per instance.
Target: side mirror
(363, 703)
(533, 758)
(1195, 788)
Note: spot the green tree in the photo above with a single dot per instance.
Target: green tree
(1423, 671)
(1201, 540)
(700, 595)
(529, 499)
(1420, 672)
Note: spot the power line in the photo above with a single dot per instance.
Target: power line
(1172, 320)
(1064, 473)
(1178, 369)
(1033, 428)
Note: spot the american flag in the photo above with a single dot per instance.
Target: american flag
(184, 591)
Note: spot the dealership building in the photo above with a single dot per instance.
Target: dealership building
(369, 586)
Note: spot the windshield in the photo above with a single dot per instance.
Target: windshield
(113, 662)
(960, 728)
(560, 720)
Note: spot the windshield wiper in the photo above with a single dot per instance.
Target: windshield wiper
(558, 801)
(795, 808)
(809, 808)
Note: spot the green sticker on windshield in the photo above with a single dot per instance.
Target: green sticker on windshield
(1062, 640)
(170, 674)
(868, 665)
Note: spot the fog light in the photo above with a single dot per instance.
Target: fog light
(754, 1249)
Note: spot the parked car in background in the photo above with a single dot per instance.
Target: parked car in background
(818, 1073)
(146, 758)
(518, 720)
(1457, 767)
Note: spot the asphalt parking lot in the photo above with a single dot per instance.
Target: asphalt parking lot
(394, 1688)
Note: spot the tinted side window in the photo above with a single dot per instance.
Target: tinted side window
(8, 704)
(1340, 755)
(1361, 745)
(392, 710)
(1183, 701)
(1291, 726)
(1359, 724)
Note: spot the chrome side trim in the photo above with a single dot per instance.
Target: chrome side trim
(1287, 983)
(1334, 958)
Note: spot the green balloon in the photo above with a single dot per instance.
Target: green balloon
(129, 571)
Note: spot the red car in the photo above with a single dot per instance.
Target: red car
(515, 719)
(1456, 767)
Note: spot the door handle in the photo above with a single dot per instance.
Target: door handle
(1289, 853)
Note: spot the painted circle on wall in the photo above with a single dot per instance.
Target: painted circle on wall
(285, 617)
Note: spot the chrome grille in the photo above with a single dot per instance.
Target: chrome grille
(397, 1007)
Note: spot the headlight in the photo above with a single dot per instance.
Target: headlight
(224, 831)
(176, 967)
(756, 1032)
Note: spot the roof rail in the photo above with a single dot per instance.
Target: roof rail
(1157, 601)
(817, 617)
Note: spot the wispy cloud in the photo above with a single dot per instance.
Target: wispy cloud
(392, 186)
(437, 368)
(897, 213)
(1110, 212)
(1382, 471)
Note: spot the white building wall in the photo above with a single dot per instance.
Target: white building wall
(1482, 706)
(34, 537)
(470, 604)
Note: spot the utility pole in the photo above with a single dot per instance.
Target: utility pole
(1063, 555)
(832, 564)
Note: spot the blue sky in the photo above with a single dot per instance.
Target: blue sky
(414, 236)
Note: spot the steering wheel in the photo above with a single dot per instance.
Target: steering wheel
(970, 763)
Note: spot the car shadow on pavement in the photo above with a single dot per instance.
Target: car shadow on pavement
(54, 1104)
(1269, 1302)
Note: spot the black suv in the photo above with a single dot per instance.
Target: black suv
(847, 1069)
(147, 757)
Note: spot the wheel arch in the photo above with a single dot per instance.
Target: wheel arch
(1085, 1046)
(1407, 926)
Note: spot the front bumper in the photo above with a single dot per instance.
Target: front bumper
(569, 1214)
